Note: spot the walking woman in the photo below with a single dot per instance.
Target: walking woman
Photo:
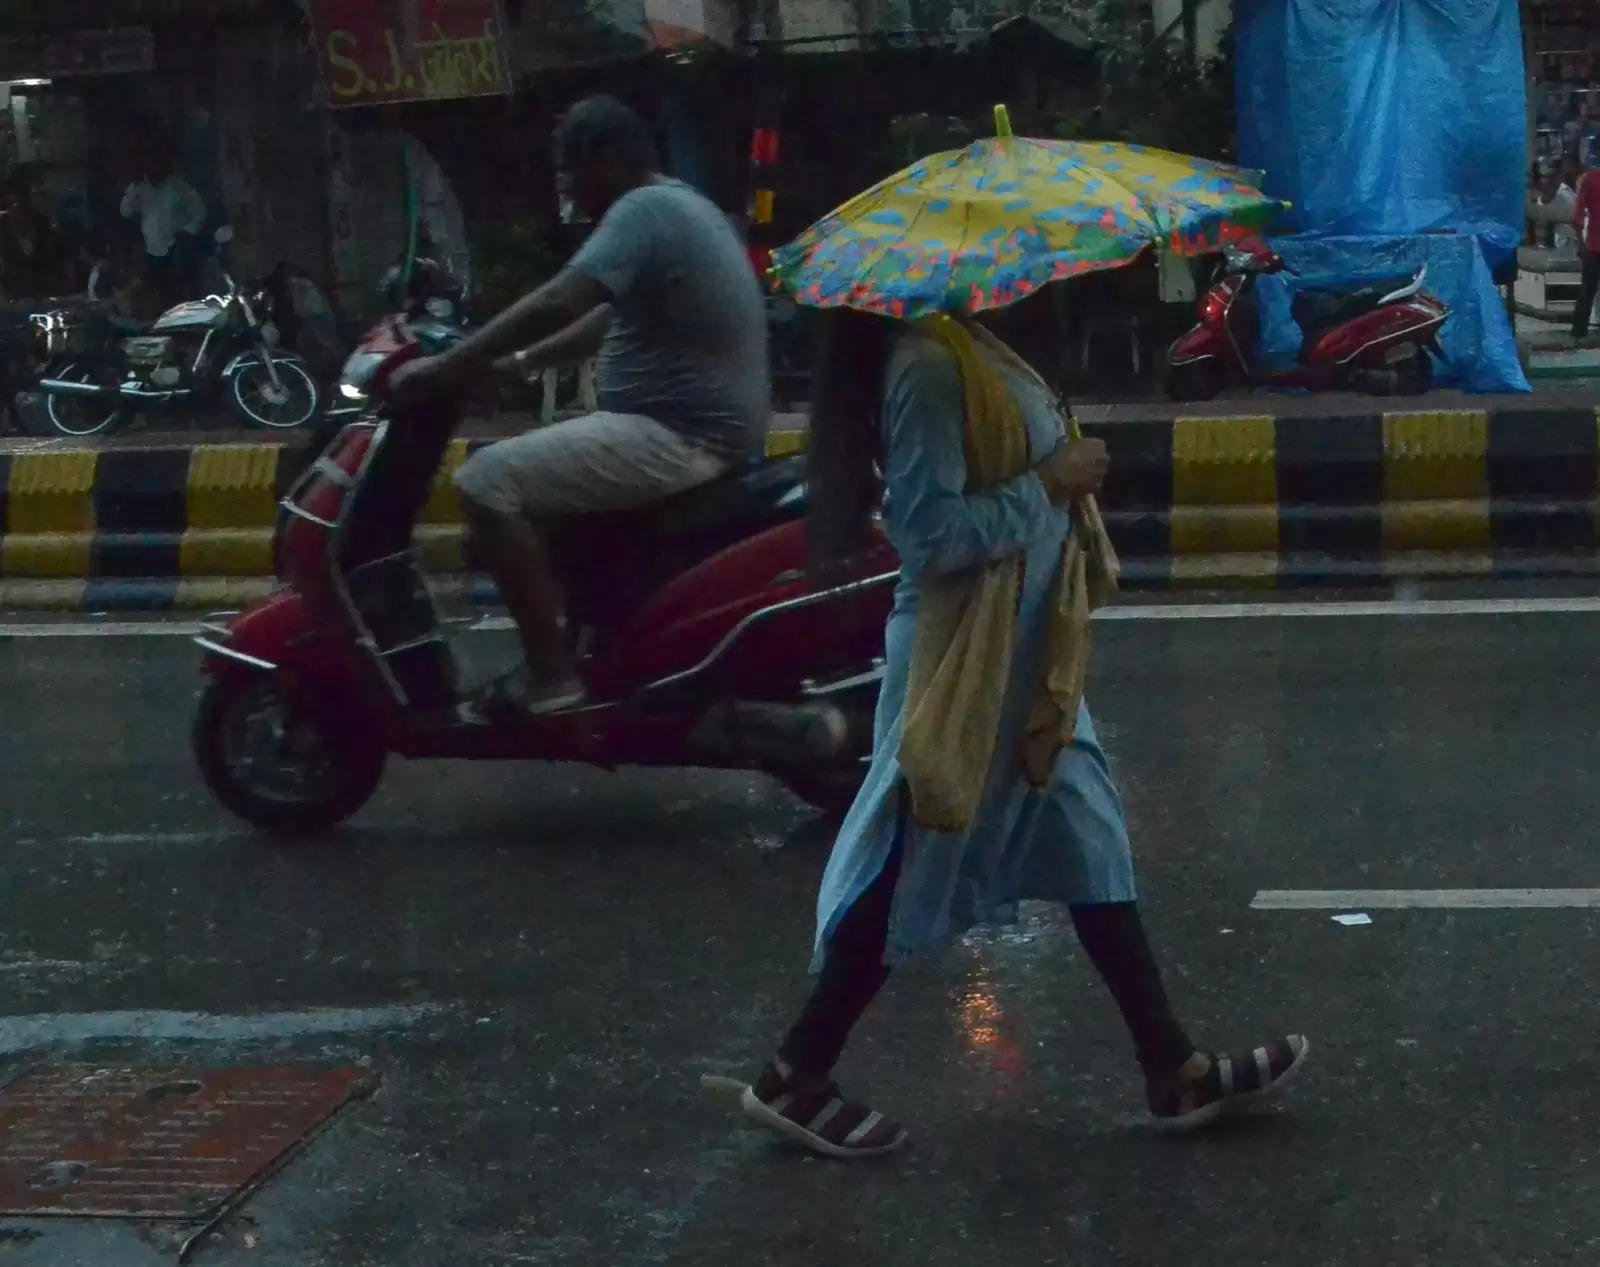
(987, 784)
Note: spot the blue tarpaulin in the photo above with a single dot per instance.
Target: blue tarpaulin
(1480, 352)
(1387, 116)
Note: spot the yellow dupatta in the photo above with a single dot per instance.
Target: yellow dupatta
(967, 622)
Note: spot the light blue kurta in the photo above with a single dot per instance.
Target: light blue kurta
(1066, 842)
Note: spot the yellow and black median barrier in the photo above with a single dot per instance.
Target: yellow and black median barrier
(1244, 500)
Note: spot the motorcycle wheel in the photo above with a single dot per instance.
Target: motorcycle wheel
(283, 773)
(16, 420)
(1201, 380)
(261, 405)
(78, 415)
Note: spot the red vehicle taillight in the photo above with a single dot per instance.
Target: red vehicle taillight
(1213, 308)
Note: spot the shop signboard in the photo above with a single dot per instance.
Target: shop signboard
(121, 51)
(410, 50)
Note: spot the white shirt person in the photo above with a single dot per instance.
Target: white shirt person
(164, 208)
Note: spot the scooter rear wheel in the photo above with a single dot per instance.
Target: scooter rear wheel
(832, 792)
(276, 768)
(1415, 376)
(1198, 380)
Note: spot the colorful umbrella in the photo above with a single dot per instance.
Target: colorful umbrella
(989, 225)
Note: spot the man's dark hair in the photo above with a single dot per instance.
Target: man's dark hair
(601, 129)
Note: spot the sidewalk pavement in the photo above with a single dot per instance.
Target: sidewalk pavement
(1556, 396)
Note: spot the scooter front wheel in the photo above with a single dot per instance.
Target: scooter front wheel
(276, 767)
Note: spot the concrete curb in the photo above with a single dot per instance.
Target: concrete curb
(1214, 501)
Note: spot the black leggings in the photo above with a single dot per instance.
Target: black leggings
(853, 971)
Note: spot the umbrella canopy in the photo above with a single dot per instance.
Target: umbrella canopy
(989, 225)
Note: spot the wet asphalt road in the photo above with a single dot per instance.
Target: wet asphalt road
(542, 963)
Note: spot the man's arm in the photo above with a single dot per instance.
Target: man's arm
(575, 342)
(623, 247)
(567, 300)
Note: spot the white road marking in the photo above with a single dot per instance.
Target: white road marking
(1149, 611)
(1422, 899)
(1376, 607)
(21, 1033)
(171, 628)
(155, 838)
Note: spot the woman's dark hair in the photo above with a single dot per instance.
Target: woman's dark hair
(601, 129)
(846, 406)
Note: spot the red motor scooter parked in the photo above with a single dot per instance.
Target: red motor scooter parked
(1376, 339)
(702, 640)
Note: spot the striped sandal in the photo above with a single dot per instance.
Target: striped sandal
(821, 1119)
(1230, 1082)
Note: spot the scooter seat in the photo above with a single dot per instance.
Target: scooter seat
(611, 562)
(1323, 309)
(743, 501)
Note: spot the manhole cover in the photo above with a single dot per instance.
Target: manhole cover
(153, 1143)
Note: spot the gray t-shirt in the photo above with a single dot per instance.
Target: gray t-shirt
(688, 342)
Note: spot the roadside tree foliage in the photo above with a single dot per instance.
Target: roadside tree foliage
(1153, 89)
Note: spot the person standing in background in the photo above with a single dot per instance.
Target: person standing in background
(1551, 206)
(1586, 222)
(170, 215)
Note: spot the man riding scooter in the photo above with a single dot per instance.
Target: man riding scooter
(664, 291)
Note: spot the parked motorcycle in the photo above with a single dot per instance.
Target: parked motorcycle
(24, 358)
(700, 636)
(1377, 339)
(221, 346)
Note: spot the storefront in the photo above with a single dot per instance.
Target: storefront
(93, 88)
(50, 87)
(1563, 47)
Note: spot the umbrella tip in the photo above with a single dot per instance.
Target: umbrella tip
(1002, 122)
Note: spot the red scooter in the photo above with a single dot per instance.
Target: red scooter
(1376, 339)
(701, 638)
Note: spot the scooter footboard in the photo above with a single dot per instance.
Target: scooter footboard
(395, 619)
